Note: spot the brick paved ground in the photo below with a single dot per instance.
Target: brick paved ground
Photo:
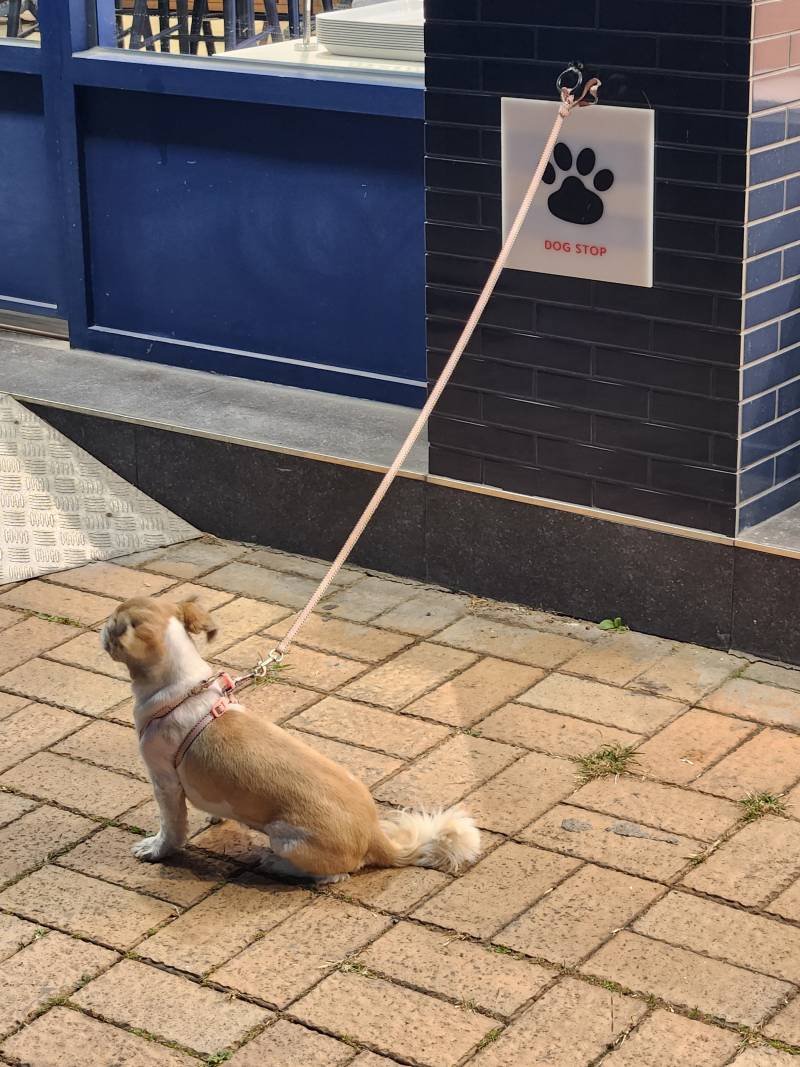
(646, 918)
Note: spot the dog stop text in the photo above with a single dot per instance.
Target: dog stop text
(575, 249)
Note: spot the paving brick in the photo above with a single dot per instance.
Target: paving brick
(763, 1056)
(240, 618)
(792, 802)
(398, 1021)
(233, 841)
(277, 701)
(521, 792)
(687, 746)
(210, 599)
(61, 1037)
(223, 924)
(475, 692)
(184, 879)
(107, 744)
(570, 1026)
(688, 979)
(786, 1024)
(787, 903)
(614, 842)
(369, 1059)
(170, 1007)
(369, 767)
(29, 841)
(367, 599)
(516, 643)
(303, 665)
(769, 762)
(8, 618)
(345, 638)
(196, 557)
(86, 651)
(75, 785)
(343, 720)
(618, 658)
(426, 613)
(448, 773)
(304, 566)
(9, 704)
(725, 933)
(408, 676)
(285, 1044)
(68, 687)
(758, 861)
(772, 674)
(439, 963)
(752, 700)
(30, 637)
(668, 1040)
(83, 906)
(11, 807)
(145, 817)
(51, 966)
(581, 913)
(393, 890)
(688, 673)
(108, 579)
(14, 933)
(292, 957)
(35, 726)
(46, 599)
(602, 703)
(496, 890)
(561, 735)
(665, 807)
(243, 578)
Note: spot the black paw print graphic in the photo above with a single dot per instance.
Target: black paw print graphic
(573, 201)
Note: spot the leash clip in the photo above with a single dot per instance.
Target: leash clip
(569, 99)
(261, 669)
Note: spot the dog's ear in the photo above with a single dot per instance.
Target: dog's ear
(195, 619)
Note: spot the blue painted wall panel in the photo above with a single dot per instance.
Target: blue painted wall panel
(29, 239)
(287, 232)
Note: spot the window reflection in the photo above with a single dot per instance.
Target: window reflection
(365, 35)
(19, 20)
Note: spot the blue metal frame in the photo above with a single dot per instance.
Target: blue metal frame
(70, 69)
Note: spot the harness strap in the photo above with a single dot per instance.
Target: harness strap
(219, 709)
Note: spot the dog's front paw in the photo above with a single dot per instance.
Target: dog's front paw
(151, 849)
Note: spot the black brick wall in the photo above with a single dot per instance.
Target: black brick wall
(598, 394)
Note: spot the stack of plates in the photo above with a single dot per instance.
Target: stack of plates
(390, 30)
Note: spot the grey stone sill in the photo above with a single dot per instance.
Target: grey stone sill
(278, 417)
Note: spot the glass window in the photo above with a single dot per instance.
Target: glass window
(19, 20)
(335, 34)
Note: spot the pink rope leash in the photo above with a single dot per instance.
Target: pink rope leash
(568, 102)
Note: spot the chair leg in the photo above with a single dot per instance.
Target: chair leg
(163, 23)
(199, 19)
(208, 33)
(293, 7)
(12, 25)
(272, 20)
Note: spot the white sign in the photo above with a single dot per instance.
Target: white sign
(593, 213)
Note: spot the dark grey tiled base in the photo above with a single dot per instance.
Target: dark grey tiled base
(580, 566)
(766, 605)
(686, 589)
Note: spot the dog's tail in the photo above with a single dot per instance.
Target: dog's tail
(446, 840)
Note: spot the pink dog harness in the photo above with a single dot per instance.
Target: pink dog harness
(219, 708)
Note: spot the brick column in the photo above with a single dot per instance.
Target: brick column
(601, 395)
(770, 451)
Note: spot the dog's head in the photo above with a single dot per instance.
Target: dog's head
(137, 632)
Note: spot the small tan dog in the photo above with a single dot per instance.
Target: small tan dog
(321, 821)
